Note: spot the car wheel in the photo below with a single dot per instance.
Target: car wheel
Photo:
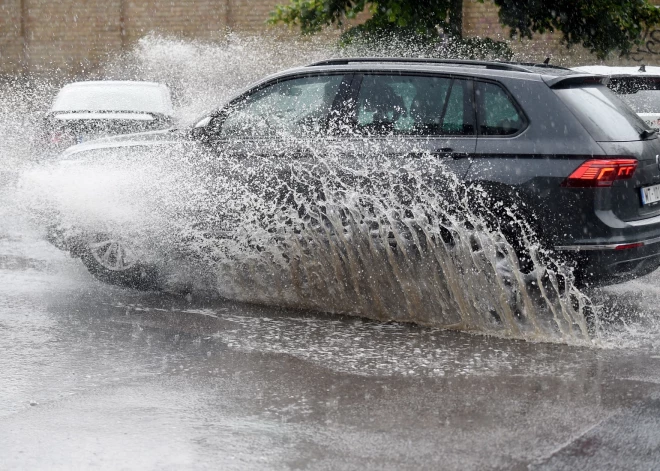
(506, 214)
(112, 261)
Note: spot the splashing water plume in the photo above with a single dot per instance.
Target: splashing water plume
(376, 237)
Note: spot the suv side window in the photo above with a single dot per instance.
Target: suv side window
(414, 106)
(298, 107)
(496, 113)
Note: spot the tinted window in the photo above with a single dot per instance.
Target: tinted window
(497, 115)
(413, 105)
(604, 115)
(295, 107)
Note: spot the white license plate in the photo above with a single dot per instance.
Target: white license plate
(650, 194)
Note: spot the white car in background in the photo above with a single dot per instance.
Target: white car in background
(638, 86)
(89, 110)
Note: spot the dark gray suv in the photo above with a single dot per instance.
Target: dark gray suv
(580, 164)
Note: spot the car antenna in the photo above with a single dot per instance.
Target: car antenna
(546, 61)
(642, 68)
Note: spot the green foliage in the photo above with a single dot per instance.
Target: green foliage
(482, 48)
(401, 42)
(422, 16)
(602, 26)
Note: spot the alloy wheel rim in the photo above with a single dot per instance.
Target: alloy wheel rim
(112, 254)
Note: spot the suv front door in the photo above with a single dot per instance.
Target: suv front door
(275, 128)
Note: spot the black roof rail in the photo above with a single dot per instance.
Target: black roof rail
(496, 65)
(541, 65)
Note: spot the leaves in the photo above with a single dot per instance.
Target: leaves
(409, 43)
(602, 26)
(422, 15)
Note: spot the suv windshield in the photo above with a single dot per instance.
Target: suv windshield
(602, 113)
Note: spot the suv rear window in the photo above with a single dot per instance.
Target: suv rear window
(602, 113)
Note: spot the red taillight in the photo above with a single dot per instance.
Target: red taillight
(601, 172)
(629, 246)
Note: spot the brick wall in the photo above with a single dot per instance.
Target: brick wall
(69, 34)
(251, 15)
(73, 35)
(76, 35)
(11, 40)
(206, 20)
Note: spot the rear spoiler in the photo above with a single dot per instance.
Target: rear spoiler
(566, 81)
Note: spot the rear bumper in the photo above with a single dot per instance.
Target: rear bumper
(613, 263)
(618, 246)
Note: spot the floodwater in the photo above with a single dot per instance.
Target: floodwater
(97, 376)
(104, 377)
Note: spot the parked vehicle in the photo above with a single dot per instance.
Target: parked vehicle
(639, 87)
(83, 111)
(554, 143)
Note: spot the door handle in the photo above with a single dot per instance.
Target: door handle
(449, 152)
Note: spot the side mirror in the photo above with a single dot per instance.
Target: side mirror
(199, 131)
(202, 123)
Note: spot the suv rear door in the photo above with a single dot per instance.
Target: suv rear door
(500, 146)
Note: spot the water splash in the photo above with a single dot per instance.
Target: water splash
(365, 248)
(368, 237)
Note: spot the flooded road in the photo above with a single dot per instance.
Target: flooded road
(96, 376)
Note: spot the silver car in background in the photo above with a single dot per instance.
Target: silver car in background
(638, 87)
(89, 110)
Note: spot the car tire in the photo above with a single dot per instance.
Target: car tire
(517, 230)
(111, 261)
(513, 219)
(504, 211)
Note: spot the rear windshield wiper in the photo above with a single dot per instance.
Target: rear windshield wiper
(646, 133)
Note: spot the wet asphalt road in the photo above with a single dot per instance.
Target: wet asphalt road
(98, 377)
